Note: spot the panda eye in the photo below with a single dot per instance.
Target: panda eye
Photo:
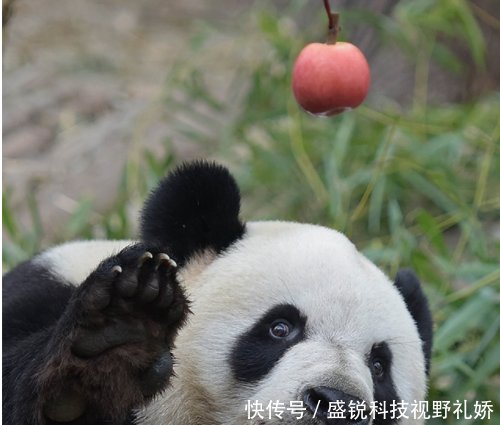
(280, 329)
(379, 361)
(377, 369)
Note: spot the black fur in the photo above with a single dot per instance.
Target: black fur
(103, 346)
(256, 351)
(33, 299)
(194, 208)
(384, 389)
(409, 286)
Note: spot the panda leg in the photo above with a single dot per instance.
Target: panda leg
(110, 351)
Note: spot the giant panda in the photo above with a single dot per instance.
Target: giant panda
(206, 315)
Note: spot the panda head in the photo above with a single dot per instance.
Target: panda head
(282, 312)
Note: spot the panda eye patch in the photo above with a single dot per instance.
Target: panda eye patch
(260, 347)
(379, 360)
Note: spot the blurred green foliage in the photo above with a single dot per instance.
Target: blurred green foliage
(416, 187)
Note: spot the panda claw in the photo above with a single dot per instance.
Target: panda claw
(116, 270)
(144, 257)
(164, 258)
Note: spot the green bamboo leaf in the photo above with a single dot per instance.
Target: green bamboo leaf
(395, 216)
(489, 339)
(472, 31)
(9, 222)
(464, 319)
(431, 229)
(12, 254)
(444, 56)
(376, 204)
(430, 190)
(489, 364)
(342, 140)
(80, 220)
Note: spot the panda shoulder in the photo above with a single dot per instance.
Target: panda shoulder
(74, 261)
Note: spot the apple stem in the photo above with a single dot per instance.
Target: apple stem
(333, 23)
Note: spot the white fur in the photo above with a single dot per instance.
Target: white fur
(73, 261)
(349, 303)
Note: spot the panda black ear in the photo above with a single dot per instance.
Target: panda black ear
(194, 208)
(416, 302)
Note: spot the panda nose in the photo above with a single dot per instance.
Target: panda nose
(317, 400)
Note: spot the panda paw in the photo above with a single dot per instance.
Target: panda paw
(128, 299)
(111, 350)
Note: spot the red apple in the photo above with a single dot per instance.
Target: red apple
(330, 78)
